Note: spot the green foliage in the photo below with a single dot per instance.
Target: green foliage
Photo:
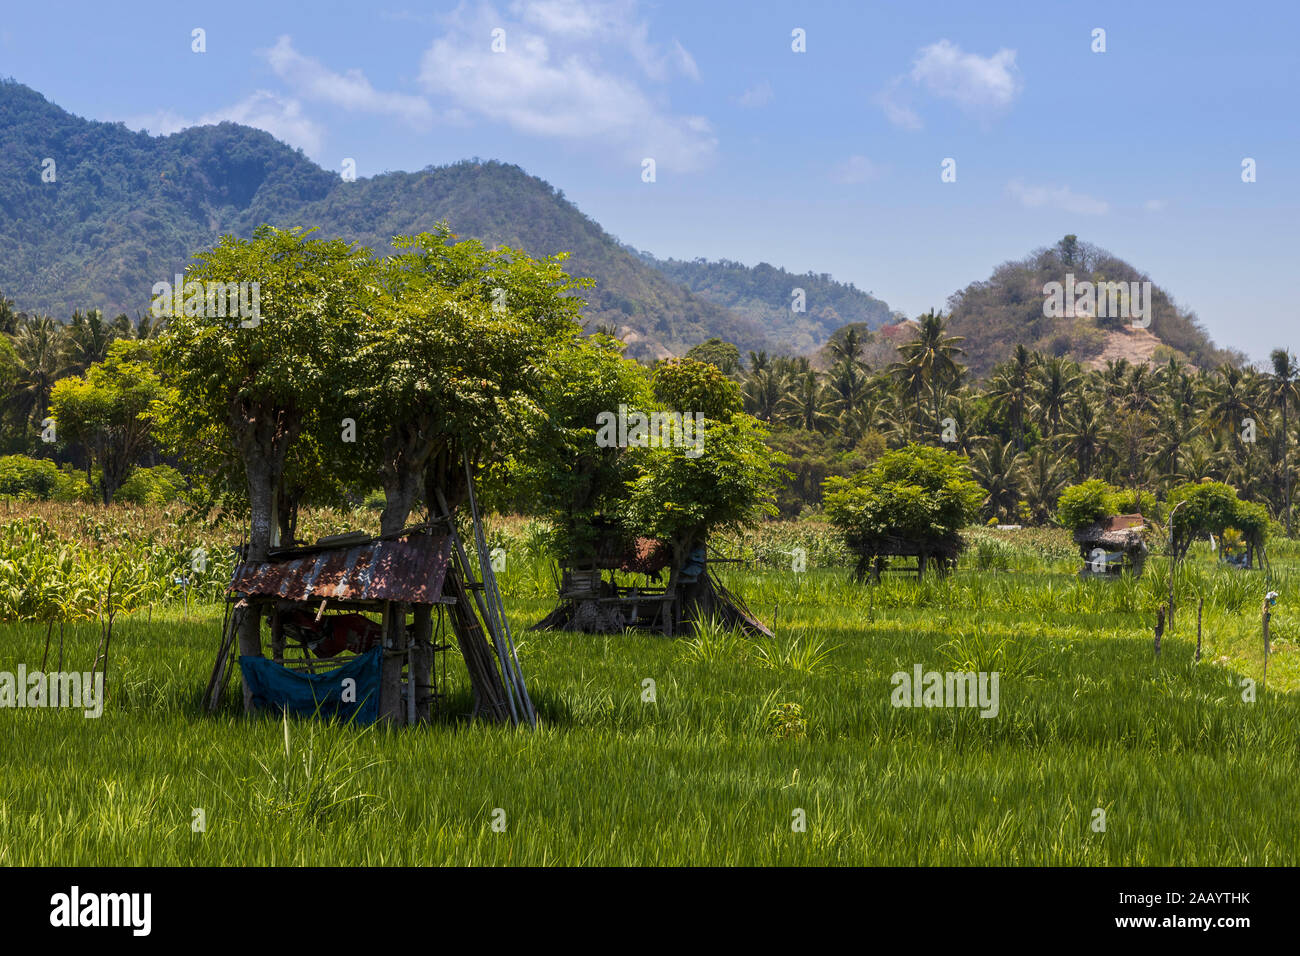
(562, 471)
(681, 497)
(691, 387)
(243, 394)
(159, 485)
(108, 410)
(1086, 503)
(1130, 501)
(787, 722)
(722, 355)
(1211, 507)
(38, 479)
(917, 494)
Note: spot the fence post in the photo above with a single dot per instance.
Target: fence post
(1200, 607)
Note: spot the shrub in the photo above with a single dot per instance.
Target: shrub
(159, 485)
(917, 493)
(38, 479)
(1087, 503)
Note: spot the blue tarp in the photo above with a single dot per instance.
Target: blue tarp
(276, 688)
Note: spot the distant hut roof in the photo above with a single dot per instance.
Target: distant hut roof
(1115, 533)
(410, 569)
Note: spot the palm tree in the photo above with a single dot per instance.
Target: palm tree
(39, 346)
(1011, 388)
(1044, 480)
(848, 348)
(1057, 380)
(87, 340)
(1230, 399)
(806, 404)
(1082, 436)
(847, 388)
(998, 468)
(929, 362)
(762, 392)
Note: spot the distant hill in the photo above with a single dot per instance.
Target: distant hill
(128, 209)
(765, 294)
(1007, 309)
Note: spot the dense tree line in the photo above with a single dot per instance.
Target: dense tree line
(1035, 424)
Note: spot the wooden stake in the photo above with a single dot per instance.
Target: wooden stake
(1200, 608)
(1267, 615)
(1160, 628)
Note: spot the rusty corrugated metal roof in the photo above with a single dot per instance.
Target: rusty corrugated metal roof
(411, 570)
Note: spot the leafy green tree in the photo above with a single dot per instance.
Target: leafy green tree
(452, 362)
(1210, 507)
(722, 355)
(107, 411)
(918, 494)
(564, 471)
(243, 393)
(1086, 503)
(688, 386)
(681, 496)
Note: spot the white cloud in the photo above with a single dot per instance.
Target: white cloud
(758, 95)
(980, 86)
(264, 110)
(553, 79)
(1056, 197)
(892, 100)
(310, 79)
(1155, 205)
(611, 23)
(975, 83)
(855, 169)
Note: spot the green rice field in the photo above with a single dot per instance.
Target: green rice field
(740, 751)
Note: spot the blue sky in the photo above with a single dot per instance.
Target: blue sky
(826, 160)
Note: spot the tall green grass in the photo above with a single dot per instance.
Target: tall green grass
(1187, 771)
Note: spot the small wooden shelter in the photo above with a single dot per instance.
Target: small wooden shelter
(327, 650)
(594, 600)
(937, 553)
(1113, 546)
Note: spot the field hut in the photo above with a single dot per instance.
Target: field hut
(875, 554)
(1113, 546)
(331, 607)
(594, 600)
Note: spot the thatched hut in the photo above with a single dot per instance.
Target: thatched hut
(1113, 546)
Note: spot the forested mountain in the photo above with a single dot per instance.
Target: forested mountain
(766, 294)
(93, 214)
(1006, 310)
(125, 210)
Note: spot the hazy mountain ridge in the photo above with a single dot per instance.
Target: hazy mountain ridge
(766, 294)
